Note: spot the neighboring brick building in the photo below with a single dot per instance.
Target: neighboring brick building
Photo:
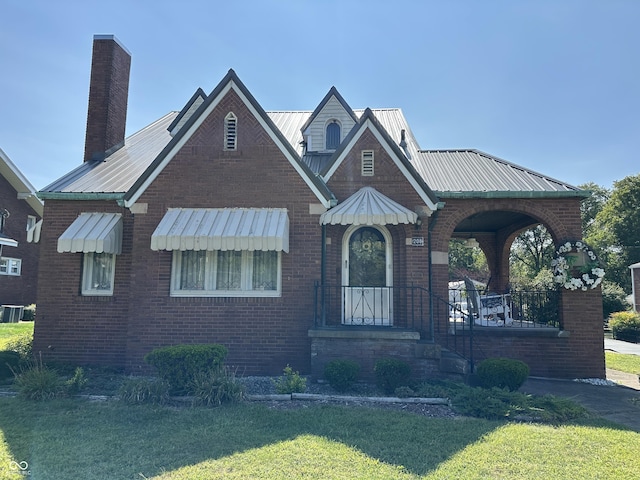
(290, 237)
(20, 221)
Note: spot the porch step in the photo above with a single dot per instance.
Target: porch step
(451, 362)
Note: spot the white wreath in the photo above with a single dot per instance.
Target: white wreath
(588, 276)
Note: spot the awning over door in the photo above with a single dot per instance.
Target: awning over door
(223, 229)
(368, 207)
(98, 232)
(7, 241)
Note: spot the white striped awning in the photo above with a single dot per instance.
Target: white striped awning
(368, 207)
(7, 241)
(99, 232)
(223, 229)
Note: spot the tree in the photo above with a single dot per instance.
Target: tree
(591, 206)
(530, 259)
(466, 261)
(615, 231)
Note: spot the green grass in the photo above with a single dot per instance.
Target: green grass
(11, 330)
(623, 362)
(79, 439)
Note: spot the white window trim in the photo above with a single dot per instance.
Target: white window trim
(230, 135)
(8, 262)
(210, 274)
(367, 164)
(87, 273)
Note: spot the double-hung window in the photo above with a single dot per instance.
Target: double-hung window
(230, 273)
(98, 273)
(10, 266)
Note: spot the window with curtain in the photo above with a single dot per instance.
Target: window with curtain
(333, 135)
(225, 273)
(98, 272)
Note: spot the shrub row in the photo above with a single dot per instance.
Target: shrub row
(625, 326)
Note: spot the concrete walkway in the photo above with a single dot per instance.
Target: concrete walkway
(620, 404)
(619, 346)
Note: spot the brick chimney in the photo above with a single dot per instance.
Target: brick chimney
(108, 93)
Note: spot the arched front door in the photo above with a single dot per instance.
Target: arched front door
(367, 276)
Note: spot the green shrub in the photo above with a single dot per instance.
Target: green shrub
(22, 344)
(391, 373)
(29, 313)
(9, 362)
(290, 382)
(77, 382)
(177, 364)
(137, 390)
(625, 326)
(341, 374)
(502, 373)
(36, 381)
(216, 387)
(480, 402)
(614, 298)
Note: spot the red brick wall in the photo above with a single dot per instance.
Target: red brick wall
(263, 335)
(18, 290)
(108, 95)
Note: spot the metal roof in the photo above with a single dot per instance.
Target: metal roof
(117, 172)
(93, 232)
(471, 173)
(265, 229)
(368, 207)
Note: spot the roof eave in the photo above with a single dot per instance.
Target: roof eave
(514, 194)
(118, 196)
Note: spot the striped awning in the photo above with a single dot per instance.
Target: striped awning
(368, 207)
(7, 241)
(223, 229)
(99, 232)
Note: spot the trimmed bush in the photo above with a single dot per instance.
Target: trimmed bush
(9, 362)
(391, 373)
(178, 364)
(341, 374)
(502, 373)
(625, 326)
(22, 344)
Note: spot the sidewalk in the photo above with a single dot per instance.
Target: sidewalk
(621, 347)
(613, 403)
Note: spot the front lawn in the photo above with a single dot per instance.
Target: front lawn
(623, 362)
(71, 438)
(9, 331)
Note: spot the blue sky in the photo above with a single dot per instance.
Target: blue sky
(551, 85)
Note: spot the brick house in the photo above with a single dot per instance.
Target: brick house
(20, 221)
(290, 237)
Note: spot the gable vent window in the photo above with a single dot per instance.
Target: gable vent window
(230, 132)
(333, 135)
(367, 163)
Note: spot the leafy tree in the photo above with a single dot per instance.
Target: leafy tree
(615, 231)
(591, 206)
(466, 262)
(530, 259)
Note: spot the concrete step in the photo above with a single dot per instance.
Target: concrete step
(451, 362)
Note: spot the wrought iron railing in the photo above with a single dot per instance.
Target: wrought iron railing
(397, 307)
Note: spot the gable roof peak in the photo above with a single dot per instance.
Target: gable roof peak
(332, 93)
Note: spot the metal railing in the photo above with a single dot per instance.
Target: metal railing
(398, 307)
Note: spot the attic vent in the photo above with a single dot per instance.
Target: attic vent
(230, 131)
(367, 163)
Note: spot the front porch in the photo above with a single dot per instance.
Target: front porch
(436, 337)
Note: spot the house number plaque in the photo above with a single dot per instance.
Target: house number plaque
(417, 241)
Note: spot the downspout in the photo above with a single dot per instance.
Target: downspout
(323, 259)
(432, 224)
